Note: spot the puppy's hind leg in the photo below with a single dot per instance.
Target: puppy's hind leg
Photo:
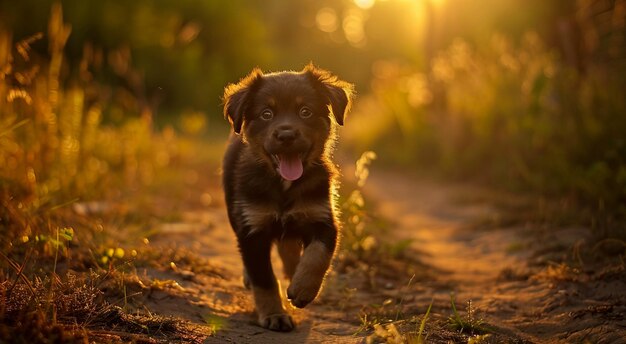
(255, 251)
(289, 251)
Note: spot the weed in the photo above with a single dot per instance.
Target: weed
(470, 324)
(420, 332)
(397, 331)
(376, 314)
(365, 323)
(367, 256)
(402, 298)
(357, 236)
(61, 167)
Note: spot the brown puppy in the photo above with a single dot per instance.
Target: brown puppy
(279, 181)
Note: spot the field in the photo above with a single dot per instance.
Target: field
(495, 215)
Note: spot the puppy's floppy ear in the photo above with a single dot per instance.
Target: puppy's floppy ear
(236, 98)
(338, 92)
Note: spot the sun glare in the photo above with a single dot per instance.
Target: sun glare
(437, 2)
(365, 4)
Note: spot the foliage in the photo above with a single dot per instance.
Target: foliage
(420, 333)
(513, 115)
(59, 161)
(174, 55)
(470, 324)
(182, 53)
(55, 149)
(60, 310)
(357, 236)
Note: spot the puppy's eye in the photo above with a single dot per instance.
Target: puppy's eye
(267, 115)
(305, 112)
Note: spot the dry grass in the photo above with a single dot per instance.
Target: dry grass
(72, 308)
(61, 169)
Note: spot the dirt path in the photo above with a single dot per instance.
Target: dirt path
(489, 267)
(221, 300)
(506, 271)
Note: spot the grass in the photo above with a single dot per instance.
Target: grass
(364, 233)
(420, 332)
(513, 115)
(470, 324)
(71, 308)
(367, 256)
(69, 179)
(413, 330)
(419, 336)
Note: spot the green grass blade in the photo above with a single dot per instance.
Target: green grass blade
(420, 338)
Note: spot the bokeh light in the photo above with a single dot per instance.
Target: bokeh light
(353, 27)
(326, 19)
(365, 4)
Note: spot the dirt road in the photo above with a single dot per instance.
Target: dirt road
(504, 270)
(510, 271)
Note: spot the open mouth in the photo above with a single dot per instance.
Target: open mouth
(289, 165)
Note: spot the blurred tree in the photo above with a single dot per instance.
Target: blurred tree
(184, 52)
(603, 26)
(181, 54)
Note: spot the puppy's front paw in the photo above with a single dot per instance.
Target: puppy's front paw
(307, 281)
(277, 322)
(303, 290)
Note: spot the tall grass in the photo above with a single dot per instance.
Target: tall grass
(56, 152)
(55, 148)
(511, 114)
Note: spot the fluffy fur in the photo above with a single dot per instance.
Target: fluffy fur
(279, 181)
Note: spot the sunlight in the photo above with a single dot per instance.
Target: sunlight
(365, 4)
(326, 19)
(128, 202)
(437, 2)
(353, 28)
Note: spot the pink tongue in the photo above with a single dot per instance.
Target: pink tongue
(289, 167)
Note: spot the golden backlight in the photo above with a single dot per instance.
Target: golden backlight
(491, 184)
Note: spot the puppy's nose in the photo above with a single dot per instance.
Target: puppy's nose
(285, 134)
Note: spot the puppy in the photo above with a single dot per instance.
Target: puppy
(279, 181)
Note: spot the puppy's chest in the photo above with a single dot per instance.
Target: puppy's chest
(262, 214)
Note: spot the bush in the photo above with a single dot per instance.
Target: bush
(514, 115)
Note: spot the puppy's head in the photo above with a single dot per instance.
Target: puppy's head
(288, 117)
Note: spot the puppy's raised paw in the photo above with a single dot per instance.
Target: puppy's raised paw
(277, 322)
(307, 281)
(303, 290)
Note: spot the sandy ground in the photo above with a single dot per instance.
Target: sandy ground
(505, 271)
(508, 271)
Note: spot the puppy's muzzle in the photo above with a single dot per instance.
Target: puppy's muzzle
(285, 135)
(288, 148)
